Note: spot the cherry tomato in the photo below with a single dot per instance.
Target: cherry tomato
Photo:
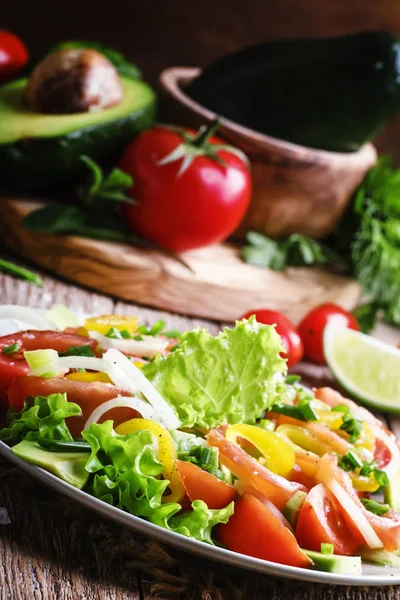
(88, 395)
(13, 55)
(312, 327)
(200, 485)
(321, 521)
(189, 192)
(288, 332)
(257, 531)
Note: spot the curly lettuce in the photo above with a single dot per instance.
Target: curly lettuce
(42, 419)
(229, 378)
(127, 474)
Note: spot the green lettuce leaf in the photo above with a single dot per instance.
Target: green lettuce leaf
(44, 419)
(127, 474)
(228, 378)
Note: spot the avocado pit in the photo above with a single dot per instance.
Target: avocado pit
(73, 81)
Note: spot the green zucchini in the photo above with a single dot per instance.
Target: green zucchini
(333, 94)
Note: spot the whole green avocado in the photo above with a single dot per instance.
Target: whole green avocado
(333, 94)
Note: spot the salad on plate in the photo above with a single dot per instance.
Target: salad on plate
(203, 435)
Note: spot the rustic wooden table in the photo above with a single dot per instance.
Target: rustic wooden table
(51, 548)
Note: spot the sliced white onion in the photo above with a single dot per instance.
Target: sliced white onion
(142, 407)
(137, 378)
(351, 508)
(65, 363)
(30, 318)
(150, 346)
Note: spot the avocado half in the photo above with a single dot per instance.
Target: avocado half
(40, 150)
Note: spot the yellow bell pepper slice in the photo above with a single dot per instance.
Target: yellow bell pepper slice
(104, 323)
(89, 377)
(278, 455)
(366, 438)
(302, 441)
(330, 418)
(166, 454)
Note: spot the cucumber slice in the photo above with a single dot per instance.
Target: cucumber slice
(333, 563)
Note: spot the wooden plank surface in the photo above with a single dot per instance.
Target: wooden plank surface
(219, 286)
(56, 550)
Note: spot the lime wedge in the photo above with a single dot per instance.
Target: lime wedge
(366, 367)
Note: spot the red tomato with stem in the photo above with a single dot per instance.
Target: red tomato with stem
(321, 521)
(257, 531)
(13, 55)
(286, 329)
(192, 189)
(312, 328)
(200, 485)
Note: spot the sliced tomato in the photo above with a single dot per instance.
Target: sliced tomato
(321, 521)
(44, 340)
(255, 530)
(275, 488)
(200, 485)
(89, 395)
(386, 527)
(10, 368)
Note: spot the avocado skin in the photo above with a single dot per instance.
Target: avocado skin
(333, 94)
(68, 466)
(333, 563)
(37, 163)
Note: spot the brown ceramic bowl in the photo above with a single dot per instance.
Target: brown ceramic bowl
(295, 189)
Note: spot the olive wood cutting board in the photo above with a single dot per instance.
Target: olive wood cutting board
(218, 285)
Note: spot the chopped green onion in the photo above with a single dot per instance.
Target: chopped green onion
(20, 272)
(327, 548)
(375, 507)
(352, 426)
(303, 411)
(172, 333)
(157, 328)
(78, 351)
(114, 334)
(381, 478)
(266, 424)
(350, 461)
(341, 408)
(11, 349)
(125, 334)
(291, 379)
(138, 338)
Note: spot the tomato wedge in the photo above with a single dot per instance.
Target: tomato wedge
(275, 488)
(89, 395)
(14, 365)
(321, 521)
(44, 340)
(386, 527)
(256, 531)
(200, 485)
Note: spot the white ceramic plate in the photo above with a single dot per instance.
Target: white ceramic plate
(372, 575)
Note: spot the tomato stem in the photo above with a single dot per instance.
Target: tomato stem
(205, 133)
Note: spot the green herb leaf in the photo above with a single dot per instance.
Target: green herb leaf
(20, 272)
(42, 419)
(296, 250)
(375, 507)
(78, 351)
(366, 315)
(10, 349)
(111, 188)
